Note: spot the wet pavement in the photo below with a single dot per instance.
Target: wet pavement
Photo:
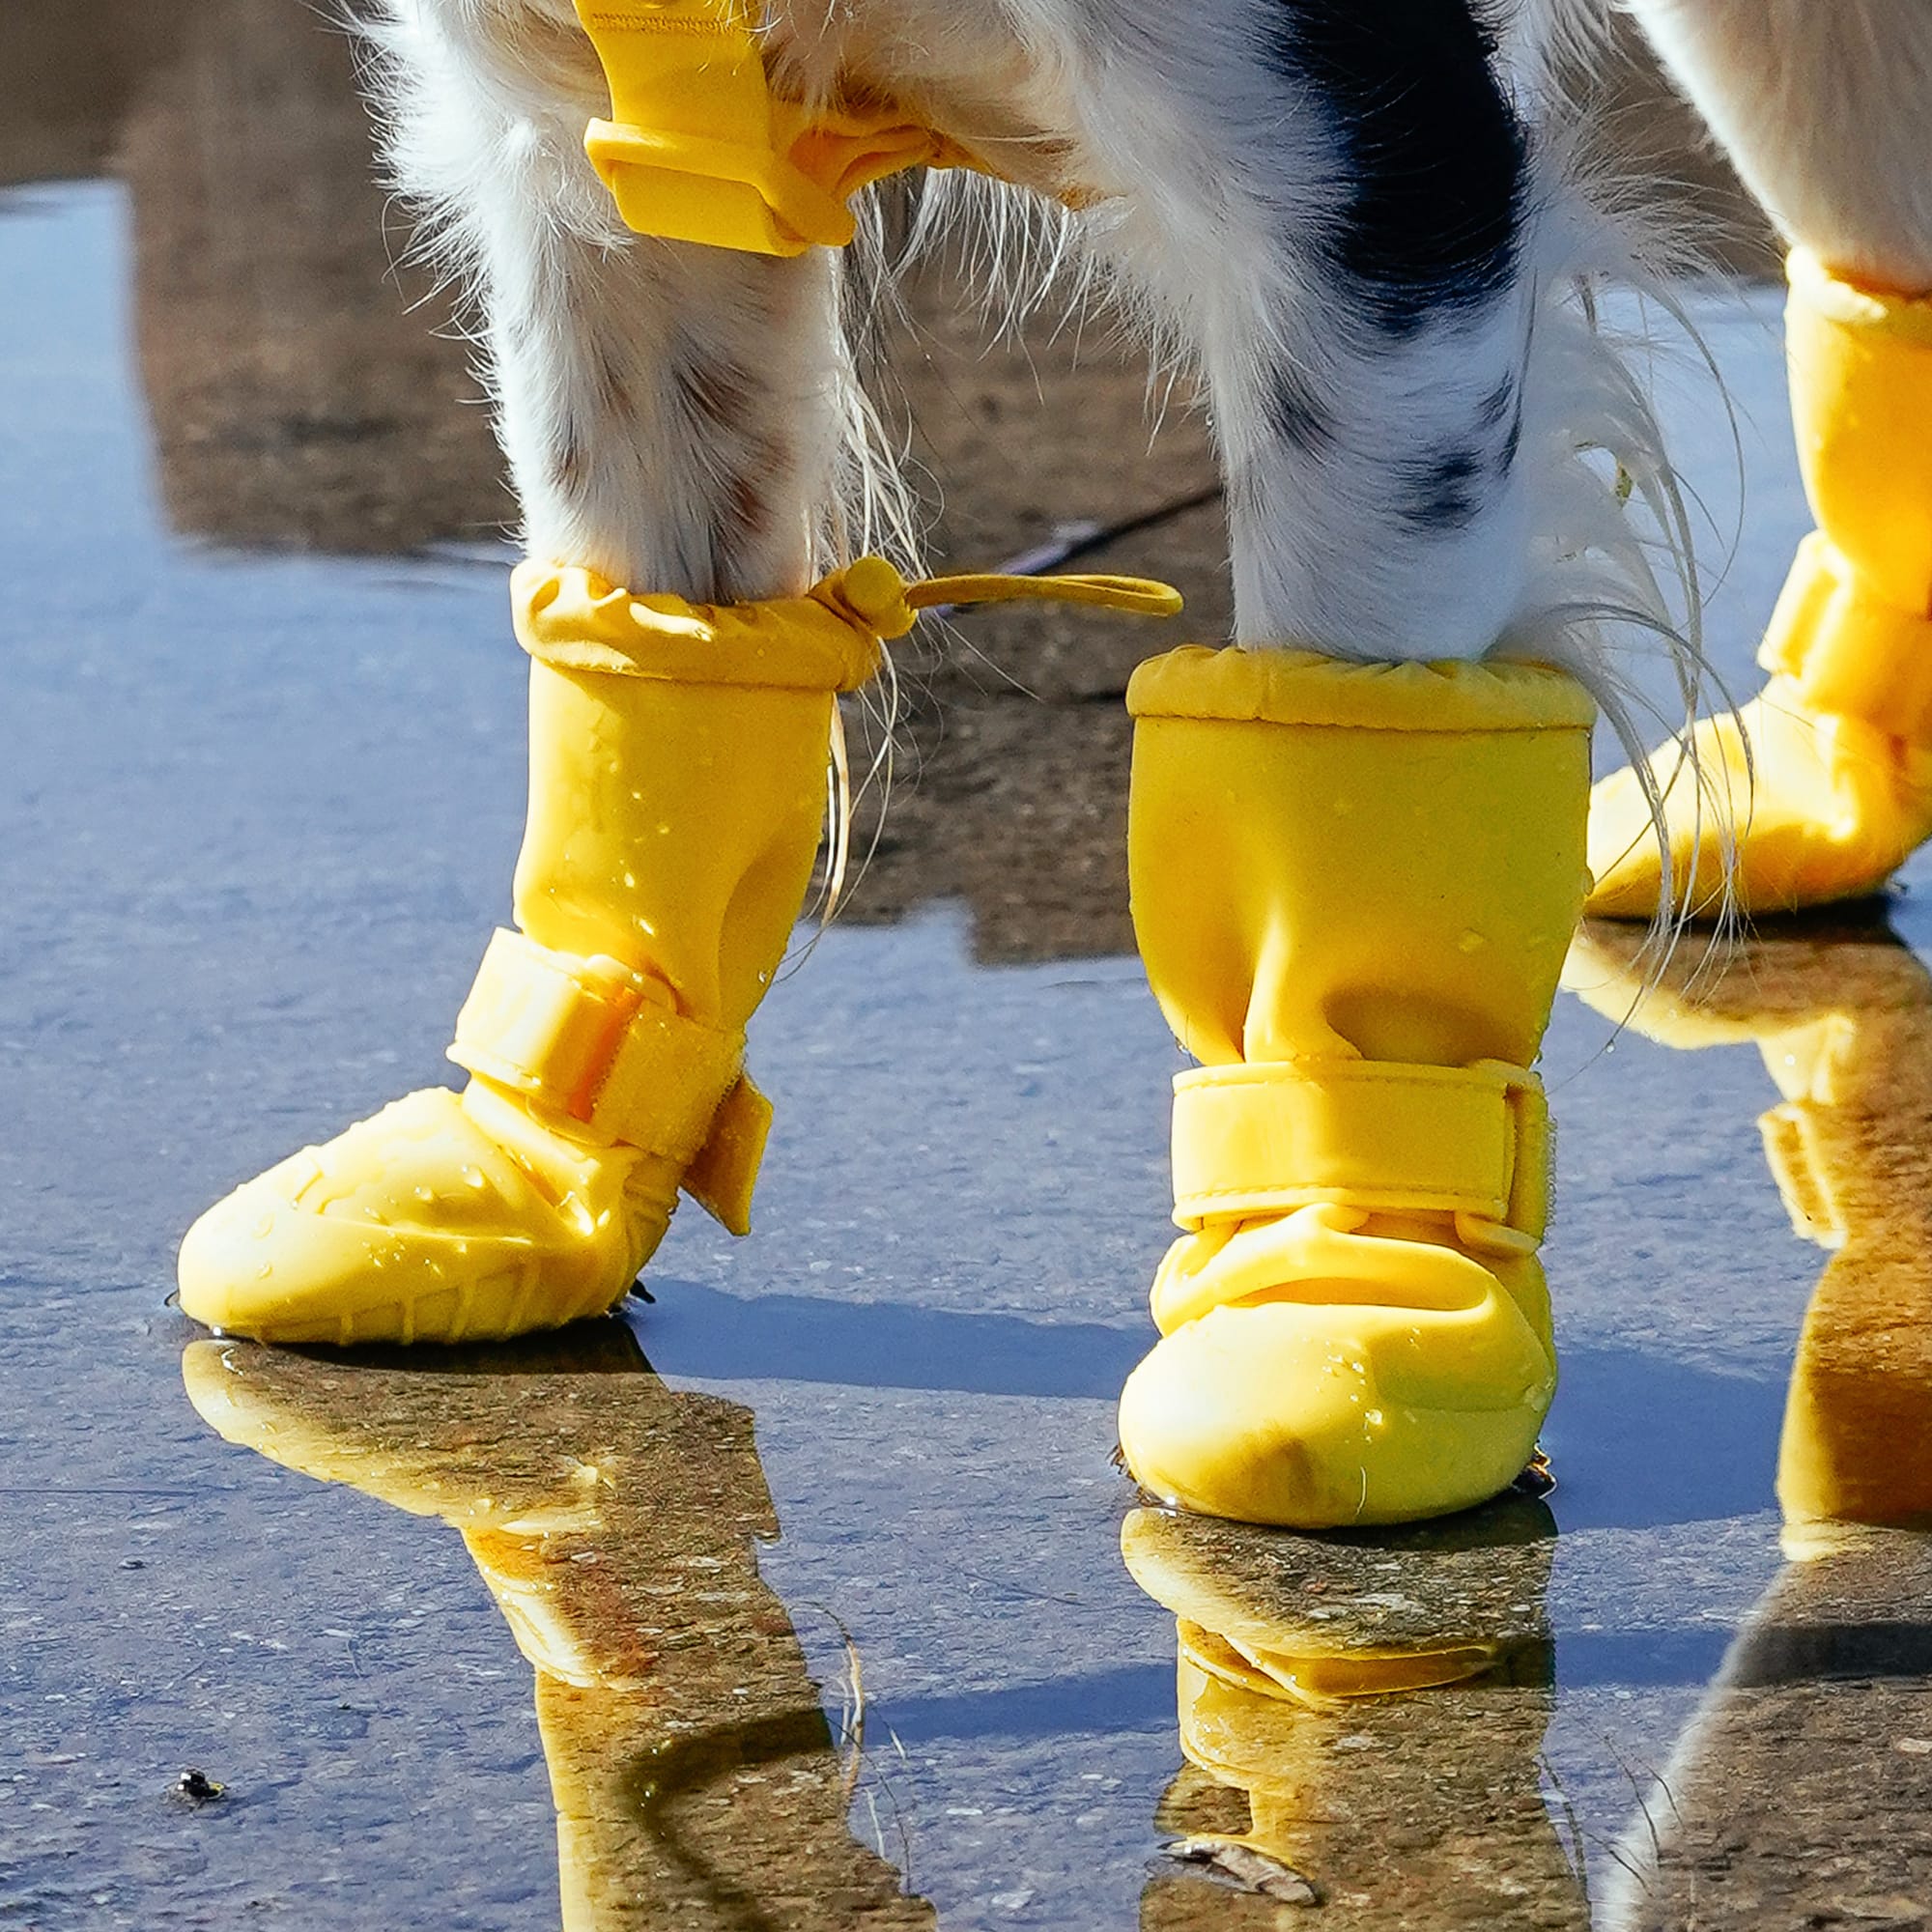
(805, 1593)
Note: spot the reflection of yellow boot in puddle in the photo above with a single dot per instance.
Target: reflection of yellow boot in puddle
(1799, 1794)
(1353, 887)
(1363, 1719)
(1836, 791)
(1844, 1022)
(613, 1519)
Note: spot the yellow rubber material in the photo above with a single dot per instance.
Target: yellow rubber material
(1836, 790)
(678, 758)
(1844, 1023)
(1353, 889)
(671, 833)
(697, 148)
(1359, 1134)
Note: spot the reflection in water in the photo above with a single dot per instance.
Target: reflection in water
(1843, 1018)
(1802, 1795)
(612, 1519)
(1362, 1716)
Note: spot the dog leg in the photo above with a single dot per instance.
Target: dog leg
(1356, 839)
(1823, 110)
(670, 417)
(1338, 212)
(670, 412)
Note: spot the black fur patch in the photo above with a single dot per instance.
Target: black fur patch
(1512, 441)
(1445, 490)
(1442, 492)
(1435, 155)
(1499, 404)
(1297, 414)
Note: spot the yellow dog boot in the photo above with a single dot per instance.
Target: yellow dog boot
(678, 782)
(677, 789)
(1843, 1020)
(1821, 786)
(1354, 888)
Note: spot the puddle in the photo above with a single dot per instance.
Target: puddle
(798, 1596)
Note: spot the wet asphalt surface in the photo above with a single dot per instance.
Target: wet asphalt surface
(846, 1634)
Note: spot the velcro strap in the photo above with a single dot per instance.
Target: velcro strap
(698, 149)
(727, 194)
(1851, 655)
(1272, 1136)
(601, 1045)
(689, 152)
(722, 1177)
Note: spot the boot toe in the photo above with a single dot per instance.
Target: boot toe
(1626, 868)
(1820, 810)
(411, 1225)
(1305, 1416)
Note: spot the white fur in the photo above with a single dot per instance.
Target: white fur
(688, 419)
(602, 349)
(1204, 170)
(1826, 108)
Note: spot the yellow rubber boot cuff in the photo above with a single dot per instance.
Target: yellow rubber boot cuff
(678, 761)
(1354, 888)
(1844, 1023)
(1821, 786)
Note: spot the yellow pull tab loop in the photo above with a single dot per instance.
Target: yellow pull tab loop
(1138, 596)
(872, 594)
